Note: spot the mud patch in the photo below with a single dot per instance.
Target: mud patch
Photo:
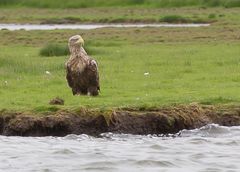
(160, 121)
(60, 124)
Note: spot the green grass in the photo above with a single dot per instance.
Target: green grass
(120, 15)
(175, 19)
(182, 19)
(184, 66)
(52, 49)
(117, 3)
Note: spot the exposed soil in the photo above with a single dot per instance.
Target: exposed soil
(129, 121)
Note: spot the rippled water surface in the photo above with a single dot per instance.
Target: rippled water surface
(212, 148)
(89, 26)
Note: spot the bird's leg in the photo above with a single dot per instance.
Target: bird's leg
(92, 91)
(74, 92)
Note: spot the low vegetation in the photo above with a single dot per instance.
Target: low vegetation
(175, 19)
(118, 3)
(54, 50)
(120, 15)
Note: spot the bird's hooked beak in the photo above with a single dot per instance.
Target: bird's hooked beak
(80, 41)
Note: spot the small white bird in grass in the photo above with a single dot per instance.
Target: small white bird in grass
(146, 73)
(48, 73)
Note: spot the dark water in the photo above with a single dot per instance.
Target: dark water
(89, 26)
(212, 148)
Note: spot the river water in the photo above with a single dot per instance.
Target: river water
(89, 26)
(211, 148)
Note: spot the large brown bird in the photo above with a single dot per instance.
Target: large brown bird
(82, 70)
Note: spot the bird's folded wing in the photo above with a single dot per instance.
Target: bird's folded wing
(69, 77)
(94, 70)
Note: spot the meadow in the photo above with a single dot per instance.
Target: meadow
(118, 3)
(143, 68)
(120, 15)
(139, 67)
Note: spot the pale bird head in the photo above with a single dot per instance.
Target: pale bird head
(76, 40)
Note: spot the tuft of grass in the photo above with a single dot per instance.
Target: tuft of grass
(46, 109)
(217, 100)
(181, 19)
(52, 49)
(175, 19)
(232, 3)
(212, 16)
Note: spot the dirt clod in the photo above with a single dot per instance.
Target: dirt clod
(56, 101)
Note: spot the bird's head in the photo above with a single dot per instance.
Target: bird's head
(75, 41)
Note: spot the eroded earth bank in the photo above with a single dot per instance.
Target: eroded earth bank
(129, 121)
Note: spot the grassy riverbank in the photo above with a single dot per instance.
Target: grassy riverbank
(218, 15)
(138, 67)
(118, 3)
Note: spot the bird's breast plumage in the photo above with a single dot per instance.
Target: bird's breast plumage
(76, 64)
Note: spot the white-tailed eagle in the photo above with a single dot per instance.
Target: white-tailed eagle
(82, 70)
